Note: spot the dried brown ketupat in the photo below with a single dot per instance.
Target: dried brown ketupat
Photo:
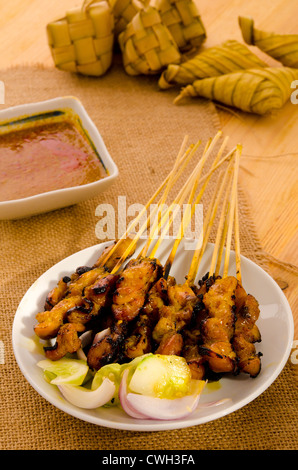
(147, 45)
(83, 40)
(282, 47)
(258, 91)
(215, 61)
(183, 20)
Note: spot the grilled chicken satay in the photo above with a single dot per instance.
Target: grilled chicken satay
(247, 333)
(85, 275)
(97, 298)
(129, 297)
(140, 341)
(67, 341)
(50, 321)
(74, 297)
(192, 337)
(218, 328)
(192, 354)
(107, 348)
(173, 317)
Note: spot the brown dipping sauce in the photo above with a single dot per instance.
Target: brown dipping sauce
(46, 157)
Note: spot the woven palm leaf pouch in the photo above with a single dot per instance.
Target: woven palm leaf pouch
(83, 40)
(147, 45)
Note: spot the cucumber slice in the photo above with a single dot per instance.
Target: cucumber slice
(161, 376)
(64, 371)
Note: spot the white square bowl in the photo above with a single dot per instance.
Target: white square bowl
(52, 200)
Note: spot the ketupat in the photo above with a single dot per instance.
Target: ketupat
(259, 91)
(124, 11)
(228, 57)
(282, 47)
(183, 20)
(147, 45)
(83, 40)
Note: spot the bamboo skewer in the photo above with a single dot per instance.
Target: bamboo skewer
(193, 182)
(210, 217)
(156, 213)
(189, 214)
(237, 242)
(161, 218)
(232, 213)
(133, 244)
(182, 164)
(204, 179)
(227, 181)
(221, 231)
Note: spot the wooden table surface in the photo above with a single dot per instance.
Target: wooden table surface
(269, 163)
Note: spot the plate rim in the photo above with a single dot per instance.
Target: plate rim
(153, 425)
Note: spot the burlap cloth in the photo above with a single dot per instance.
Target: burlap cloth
(143, 132)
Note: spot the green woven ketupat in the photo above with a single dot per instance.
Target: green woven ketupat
(124, 11)
(146, 44)
(282, 47)
(228, 57)
(83, 40)
(183, 20)
(259, 91)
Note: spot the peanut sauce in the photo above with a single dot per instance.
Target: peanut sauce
(46, 157)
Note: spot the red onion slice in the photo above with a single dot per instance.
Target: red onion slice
(123, 399)
(86, 339)
(100, 335)
(147, 407)
(88, 399)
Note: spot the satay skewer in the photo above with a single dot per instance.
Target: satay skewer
(232, 212)
(189, 213)
(221, 233)
(160, 215)
(208, 223)
(205, 179)
(237, 242)
(146, 224)
(188, 189)
(183, 162)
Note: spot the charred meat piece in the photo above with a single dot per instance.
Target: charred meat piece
(204, 284)
(87, 278)
(218, 329)
(171, 344)
(194, 359)
(85, 275)
(84, 313)
(57, 293)
(79, 309)
(246, 334)
(157, 297)
(49, 322)
(67, 341)
(116, 255)
(80, 314)
(192, 338)
(101, 292)
(140, 341)
(178, 313)
(132, 287)
(129, 297)
(107, 349)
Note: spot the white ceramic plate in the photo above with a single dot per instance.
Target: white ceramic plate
(275, 323)
(52, 200)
